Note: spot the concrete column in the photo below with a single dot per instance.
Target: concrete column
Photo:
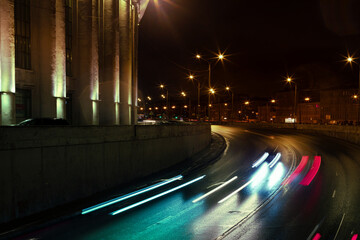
(7, 62)
(59, 60)
(125, 62)
(135, 21)
(87, 83)
(50, 45)
(110, 78)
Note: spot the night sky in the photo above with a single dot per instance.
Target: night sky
(263, 42)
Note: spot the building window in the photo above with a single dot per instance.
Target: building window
(68, 36)
(22, 34)
(23, 104)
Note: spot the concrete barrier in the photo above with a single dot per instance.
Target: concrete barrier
(347, 133)
(43, 167)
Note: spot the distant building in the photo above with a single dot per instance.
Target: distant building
(329, 106)
(74, 59)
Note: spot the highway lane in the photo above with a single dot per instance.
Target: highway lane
(326, 209)
(295, 212)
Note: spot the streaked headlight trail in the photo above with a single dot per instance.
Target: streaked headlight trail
(214, 190)
(156, 196)
(275, 160)
(129, 195)
(260, 160)
(235, 192)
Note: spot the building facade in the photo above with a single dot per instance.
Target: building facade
(327, 106)
(73, 59)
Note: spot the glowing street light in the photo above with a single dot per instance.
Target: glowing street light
(212, 91)
(219, 57)
(355, 96)
(232, 100)
(192, 78)
(247, 103)
(350, 60)
(307, 99)
(162, 86)
(149, 98)
(139, 99)
(295, 90)
(273, 101)
(183, 94)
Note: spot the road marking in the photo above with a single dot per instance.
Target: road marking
(337, 232)
(276, 148)
(333, 196)
(313, 232)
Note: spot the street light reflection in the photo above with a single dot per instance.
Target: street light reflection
(259, 176)
(277, 175)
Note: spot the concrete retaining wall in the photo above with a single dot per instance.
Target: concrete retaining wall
(348, 133)
(43, 167)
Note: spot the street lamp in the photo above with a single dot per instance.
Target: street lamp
(219, 57)
(162, 86)
(192, 78)
(232, 100)
(295, 90)
(350, 60)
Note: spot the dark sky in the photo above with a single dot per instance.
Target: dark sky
(263, 42)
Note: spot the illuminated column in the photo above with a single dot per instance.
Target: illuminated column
(134, 25)
(87, 83)
(125, 62)
(7, 62)
(110, 78)
(58, 63)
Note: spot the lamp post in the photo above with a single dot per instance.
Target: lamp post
(350, 60)
(191, 77)
(295, 90)
(219, 57)
(232, 101)
(162, 86)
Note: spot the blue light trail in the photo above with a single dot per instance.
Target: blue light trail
(156, 196)
(129, 195)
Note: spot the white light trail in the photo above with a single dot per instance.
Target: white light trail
(214, 190)
(260, 160)
(129, 195)
(236, 191)
(156, 196)
(275, 160)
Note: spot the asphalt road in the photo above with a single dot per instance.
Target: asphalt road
(264, 208)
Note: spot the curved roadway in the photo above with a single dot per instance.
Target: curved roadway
(264, 208)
